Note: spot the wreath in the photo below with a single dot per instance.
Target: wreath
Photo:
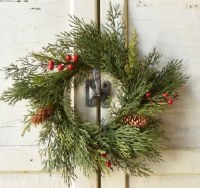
(129, 137)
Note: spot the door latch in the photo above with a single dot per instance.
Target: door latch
(91, 93)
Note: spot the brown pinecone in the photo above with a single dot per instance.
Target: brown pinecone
(136, 120)
(42, 114)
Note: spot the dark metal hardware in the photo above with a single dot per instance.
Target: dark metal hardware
(91, 93)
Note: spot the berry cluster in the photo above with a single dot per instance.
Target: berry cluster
(69, 63)
(166, 98)
(108, 162)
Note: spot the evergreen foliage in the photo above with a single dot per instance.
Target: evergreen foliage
(65, 140)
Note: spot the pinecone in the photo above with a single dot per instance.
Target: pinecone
(136, 120)
(42, 114)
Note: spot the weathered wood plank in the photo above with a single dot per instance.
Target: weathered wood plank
(19, 159)
(31, 181)
(86, 10)
(11, 136)
(83, 181)
(24, 159)
(114, 179)
(25, 27)
(183, 181)
(28, 26)
(177, 161)
(173, 27)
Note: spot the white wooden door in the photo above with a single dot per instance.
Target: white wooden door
(86, 9)
(171, 26)
(25, 25)
(174, 27)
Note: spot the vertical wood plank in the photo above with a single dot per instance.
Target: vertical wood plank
(24, 180)
(115, 178)
(86, 10)
(25, 27)
(12, 181)
(83, 181)
(172, 27)
(2, 181)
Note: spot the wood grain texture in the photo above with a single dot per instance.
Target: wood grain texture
(114, 179)
(11, 136)
(25, 27)
(31, 181)
(86, 10)
(171, 26)
(19, 158)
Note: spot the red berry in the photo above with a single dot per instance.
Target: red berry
(70, 67)
(61, 67)
(50, 67)
(148, 94)
(75, 58)
(165, 95)
(104, 155)
(51, 63)
(108, 164)
(68, 57)
(170, 101)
